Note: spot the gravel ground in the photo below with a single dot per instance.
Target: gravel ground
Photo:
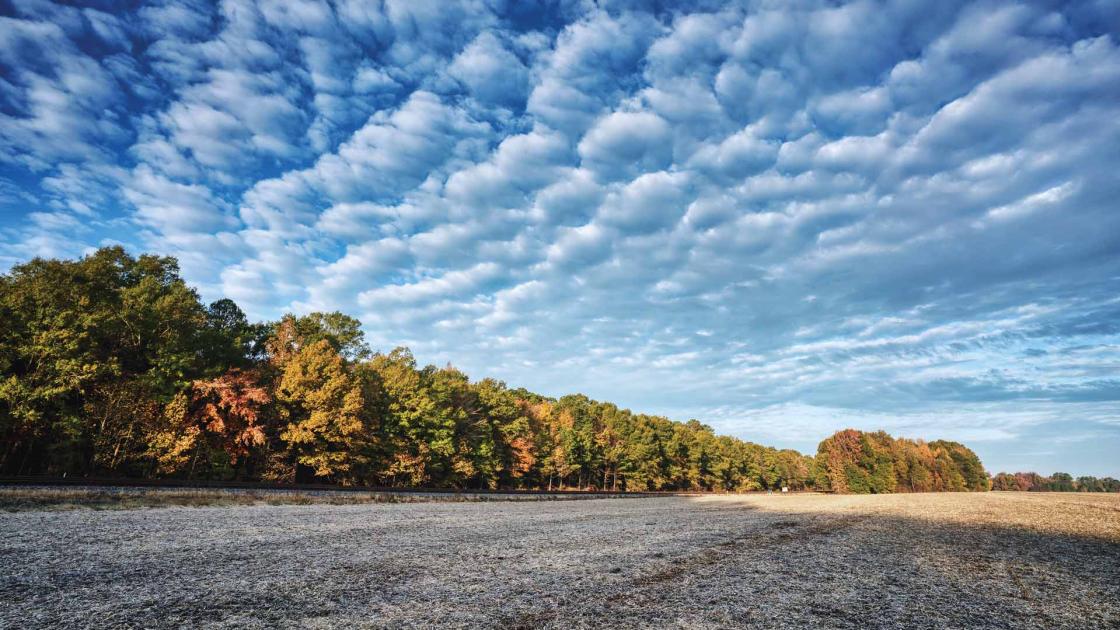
(995, 560)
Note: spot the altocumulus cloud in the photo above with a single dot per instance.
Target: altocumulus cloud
(781, 218)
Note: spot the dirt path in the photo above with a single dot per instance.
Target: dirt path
(993, 560)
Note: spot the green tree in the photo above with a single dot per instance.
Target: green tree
(409, 409)
(88, 347)
(1061, 482)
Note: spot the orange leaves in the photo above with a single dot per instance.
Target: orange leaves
(228, 408)
(523, 459)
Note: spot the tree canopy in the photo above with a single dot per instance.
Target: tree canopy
(853, 461)
(1058, 482)
(111, 365)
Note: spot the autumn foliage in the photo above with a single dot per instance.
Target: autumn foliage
(228, 408)
(111, 365)
(857, 462)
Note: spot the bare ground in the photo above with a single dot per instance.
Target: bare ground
(995, 560)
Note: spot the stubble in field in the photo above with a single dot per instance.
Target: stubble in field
(950, 560)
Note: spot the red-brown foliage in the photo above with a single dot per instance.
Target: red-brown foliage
(228, 408)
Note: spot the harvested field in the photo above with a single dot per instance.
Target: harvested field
(993, 560)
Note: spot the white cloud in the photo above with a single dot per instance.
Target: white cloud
(627, 143)
(395, 151)
(581, 74)
(491, 72)
(652, 201)
(171, 208)
(747, 214)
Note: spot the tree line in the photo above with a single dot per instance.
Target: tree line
(111, 365)
(1058, 482)
(858, 462)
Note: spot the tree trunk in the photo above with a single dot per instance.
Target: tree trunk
(194, 460)
(9, 448)
(26, 456)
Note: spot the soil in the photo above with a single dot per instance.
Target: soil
(990, 560)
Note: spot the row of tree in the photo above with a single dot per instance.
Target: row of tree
(1058, 482)
(858, 462)
(111, 365)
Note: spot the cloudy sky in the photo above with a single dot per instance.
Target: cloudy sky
(782, 218)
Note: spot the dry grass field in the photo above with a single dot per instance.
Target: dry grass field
(55, 498)
(996, 560)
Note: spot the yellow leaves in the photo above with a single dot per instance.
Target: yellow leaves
(413, 467)
(540, 412)
(171, 450)
(176, 410)
(462, 467)
(171, 443)
(327, 413)
(298, 433)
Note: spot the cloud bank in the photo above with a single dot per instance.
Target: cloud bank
(780, 218)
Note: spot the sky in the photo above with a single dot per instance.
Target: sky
(781, 218)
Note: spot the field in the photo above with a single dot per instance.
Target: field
(993, 560)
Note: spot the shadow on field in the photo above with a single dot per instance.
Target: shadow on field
(857, 568)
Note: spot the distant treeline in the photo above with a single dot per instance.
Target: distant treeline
(1058, 482)
(852, 461)
(111, 365)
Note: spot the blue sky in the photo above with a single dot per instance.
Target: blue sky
(781, 218)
